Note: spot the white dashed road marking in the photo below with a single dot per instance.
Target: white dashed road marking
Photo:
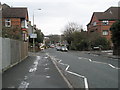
(68, 66)
(99, 62)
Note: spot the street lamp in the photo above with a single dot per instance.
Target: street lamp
(34, 32)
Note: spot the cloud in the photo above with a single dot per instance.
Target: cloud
(55, 14)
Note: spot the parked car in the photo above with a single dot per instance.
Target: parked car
(96, 48)
(58, 48)
(52, 46)
(63, 48)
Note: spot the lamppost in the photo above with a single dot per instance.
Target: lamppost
(34, 32)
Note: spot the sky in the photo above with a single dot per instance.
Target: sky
(56, 14)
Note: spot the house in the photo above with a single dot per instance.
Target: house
(15, 17)
(101, 21)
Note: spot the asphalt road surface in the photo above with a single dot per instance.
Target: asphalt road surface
(37, 71)
(92, 71)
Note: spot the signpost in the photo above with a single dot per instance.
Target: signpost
(33, 35)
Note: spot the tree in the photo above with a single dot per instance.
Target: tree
(40, 36)
(80, 41)
(69, 30)
(115, 29)
(96, 40)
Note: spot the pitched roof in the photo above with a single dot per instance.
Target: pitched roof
(110, 14)
(12, 12)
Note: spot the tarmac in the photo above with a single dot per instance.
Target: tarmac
(37, 71)
(105, 53)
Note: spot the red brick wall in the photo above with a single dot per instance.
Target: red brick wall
(100, 27)
(16, 22)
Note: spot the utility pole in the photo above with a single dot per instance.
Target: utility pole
(34, 32)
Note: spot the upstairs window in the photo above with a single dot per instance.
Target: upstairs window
(7, 22)
(105, 32)
(23, 23)
(94, 23)
(105, 22)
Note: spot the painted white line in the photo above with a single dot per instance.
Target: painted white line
(34, 67)
(47, 76)
(85, 79)
(76, 74)
(60, 61)
(86, 84)
(24, 85)
(90, 60)
(111, 66)
(54, 62)
(68, 66)
(99, 62)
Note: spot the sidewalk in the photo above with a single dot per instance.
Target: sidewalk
(37, 71)
(107, 53)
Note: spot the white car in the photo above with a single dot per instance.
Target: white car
(58, 48)
(63, 48)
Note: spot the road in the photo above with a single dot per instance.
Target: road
(87, 70)
(36, 71)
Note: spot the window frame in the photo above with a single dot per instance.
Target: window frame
(105, 32)
(94, 23)
(7, 21)
(105, 22)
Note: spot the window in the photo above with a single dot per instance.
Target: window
(23, 23)
(7, 22)
(105, 32)
(94, 23)
(105, 22)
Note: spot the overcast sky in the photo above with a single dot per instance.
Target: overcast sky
(55, 14)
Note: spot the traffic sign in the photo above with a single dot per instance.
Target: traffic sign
(33, 35)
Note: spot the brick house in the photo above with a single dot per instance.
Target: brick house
(15, 17)
(101, 21)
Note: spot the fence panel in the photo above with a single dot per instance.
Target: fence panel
(0, 54)
(12, 51)
(6, 52)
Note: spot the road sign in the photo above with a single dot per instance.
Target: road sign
(33, 35)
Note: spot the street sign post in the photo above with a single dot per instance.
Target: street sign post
(33, 36)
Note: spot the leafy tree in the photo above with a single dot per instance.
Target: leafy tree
(40, 36)
(102, 42)
(115, 29)
(96, 40)
(78, 39)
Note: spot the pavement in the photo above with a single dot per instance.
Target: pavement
(36, 71)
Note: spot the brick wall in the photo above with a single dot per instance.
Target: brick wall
(100, 27)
